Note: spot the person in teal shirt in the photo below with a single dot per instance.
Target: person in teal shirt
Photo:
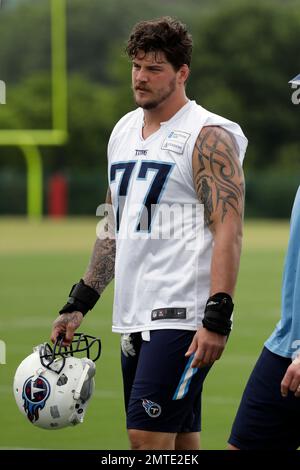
(269, 413)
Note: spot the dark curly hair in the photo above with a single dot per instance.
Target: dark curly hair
(164, 34)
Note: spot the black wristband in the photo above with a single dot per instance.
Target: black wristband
(217, 313)
(82, 298)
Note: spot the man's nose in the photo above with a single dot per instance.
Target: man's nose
(141, 76)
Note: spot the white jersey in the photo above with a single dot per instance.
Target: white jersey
(163, 249)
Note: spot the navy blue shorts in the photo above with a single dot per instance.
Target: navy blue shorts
(162, 392)
(265, 420)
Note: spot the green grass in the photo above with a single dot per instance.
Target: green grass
(39, 263)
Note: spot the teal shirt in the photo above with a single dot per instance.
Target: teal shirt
(285, 339)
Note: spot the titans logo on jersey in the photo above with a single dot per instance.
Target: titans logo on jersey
(35, 394)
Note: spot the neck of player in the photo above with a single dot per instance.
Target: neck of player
(163, 112)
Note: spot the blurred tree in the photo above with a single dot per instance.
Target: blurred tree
(245, 57)
(24, 40)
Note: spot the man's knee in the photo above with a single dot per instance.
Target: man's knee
(148, 440)
(187, 441)
(137, 439)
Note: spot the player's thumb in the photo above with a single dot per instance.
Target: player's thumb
(192, 348)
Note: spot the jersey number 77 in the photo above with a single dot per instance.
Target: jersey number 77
(152, 197)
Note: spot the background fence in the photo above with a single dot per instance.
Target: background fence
(267, 195)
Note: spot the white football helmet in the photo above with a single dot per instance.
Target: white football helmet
(52, 388)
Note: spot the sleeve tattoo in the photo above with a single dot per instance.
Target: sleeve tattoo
(101, 268)
(218, 175)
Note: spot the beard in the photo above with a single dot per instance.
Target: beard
(161, 96)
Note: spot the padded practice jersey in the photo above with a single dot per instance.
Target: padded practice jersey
(163, 249)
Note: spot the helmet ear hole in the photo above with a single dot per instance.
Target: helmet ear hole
(63, 379)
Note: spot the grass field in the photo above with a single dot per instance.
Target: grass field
(39, 263)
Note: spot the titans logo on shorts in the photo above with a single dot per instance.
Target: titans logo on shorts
(162, 391)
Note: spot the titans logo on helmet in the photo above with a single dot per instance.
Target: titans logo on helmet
(151, 408)
(36, 391)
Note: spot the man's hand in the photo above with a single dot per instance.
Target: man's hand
(291, 379)
(65, 325)
(207, 346)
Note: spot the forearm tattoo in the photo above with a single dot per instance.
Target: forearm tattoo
(218, 177)
(101, 268)
(102, 265)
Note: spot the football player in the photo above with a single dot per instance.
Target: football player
(173, 247)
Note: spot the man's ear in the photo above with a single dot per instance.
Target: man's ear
(183, 73)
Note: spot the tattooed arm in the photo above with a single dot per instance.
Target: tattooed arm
(219, 183)
(101, 268)
(99, 273)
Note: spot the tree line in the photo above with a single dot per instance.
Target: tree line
(244, 55)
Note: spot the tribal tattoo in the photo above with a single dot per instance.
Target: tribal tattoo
(218, 175)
